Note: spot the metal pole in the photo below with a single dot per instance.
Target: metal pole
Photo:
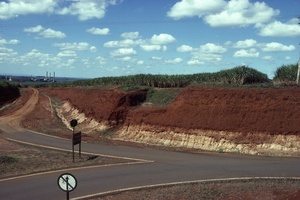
(73, 144)
(67, 183)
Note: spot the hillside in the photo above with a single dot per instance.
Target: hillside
(200, 117)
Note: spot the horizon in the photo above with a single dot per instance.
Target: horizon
(101, 38)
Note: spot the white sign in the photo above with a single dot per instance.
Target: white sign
(67, 182)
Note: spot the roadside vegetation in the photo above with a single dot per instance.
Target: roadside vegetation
(9, 92)
(286, 74)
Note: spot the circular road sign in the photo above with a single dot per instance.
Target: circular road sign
(73, 122)
(67, 182)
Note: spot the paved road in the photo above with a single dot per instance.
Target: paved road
(152, 167)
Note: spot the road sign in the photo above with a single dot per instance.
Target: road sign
(73, 123)
(67, 182)
(76, 138)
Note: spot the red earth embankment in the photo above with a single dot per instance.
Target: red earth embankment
(247, 120)
(270, 110)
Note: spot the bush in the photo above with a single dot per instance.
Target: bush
(286, 73)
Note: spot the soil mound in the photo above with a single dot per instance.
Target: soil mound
(247, 110)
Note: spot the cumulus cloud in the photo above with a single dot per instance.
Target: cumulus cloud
(14, 8)
(219, 13)
(195, 62)
(279, 29)
(248, 43)
(98, 31)
(174, 61)
(162, 39)
(45, 33)
(275, 46)
(13, 41)
(212, 48)
(84, 10)
(67, 53)
(150, 47)
(184, 48)
(80, 46)
(130, 35)
(123, 52)
(122, 43)
(190, 8)
(249, 53)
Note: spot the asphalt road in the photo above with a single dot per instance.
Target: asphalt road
(152, 167)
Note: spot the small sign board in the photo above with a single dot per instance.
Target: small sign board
(77, 138)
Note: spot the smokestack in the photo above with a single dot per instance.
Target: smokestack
(53, 76)
(50, 76)
(46, 75)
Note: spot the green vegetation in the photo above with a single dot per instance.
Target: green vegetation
(8, 91)
(4, 159)
(237, 76)
(241, 75)
(286, 73)
(161, 97)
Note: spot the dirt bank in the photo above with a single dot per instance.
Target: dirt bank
(245, 120)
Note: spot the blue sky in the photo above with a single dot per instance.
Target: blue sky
(96, 38)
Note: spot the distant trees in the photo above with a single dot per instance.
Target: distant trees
(239, 75)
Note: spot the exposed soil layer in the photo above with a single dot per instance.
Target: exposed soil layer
(245, 110)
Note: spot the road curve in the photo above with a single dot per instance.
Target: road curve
(152, 167)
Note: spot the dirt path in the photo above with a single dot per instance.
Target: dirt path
(11, 122)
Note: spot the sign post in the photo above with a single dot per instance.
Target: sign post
(76, 138)
(67, 182)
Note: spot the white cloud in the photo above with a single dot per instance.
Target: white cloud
(13, 41)
(123, 52)
(14, 8)
(218, 13)
(248, 43)
(287, 58)
(279, 29)
(275, 46)
(190, 8)
(162, 39)
(45, 33)
(86, 10)
(156, 58)
(80, 46)
(122, 43)
(195, 62)
(98, 31)
(50, 33)
(140, 62)
(67, 53)
(150, 47)
(174, 61)
(212, 48)
(130, 35)
(249, 53)
(34, 29)
(185, 48)
(93, 49)
(267, 58)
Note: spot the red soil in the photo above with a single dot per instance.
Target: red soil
(248, 110)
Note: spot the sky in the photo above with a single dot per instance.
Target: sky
(97, 38)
